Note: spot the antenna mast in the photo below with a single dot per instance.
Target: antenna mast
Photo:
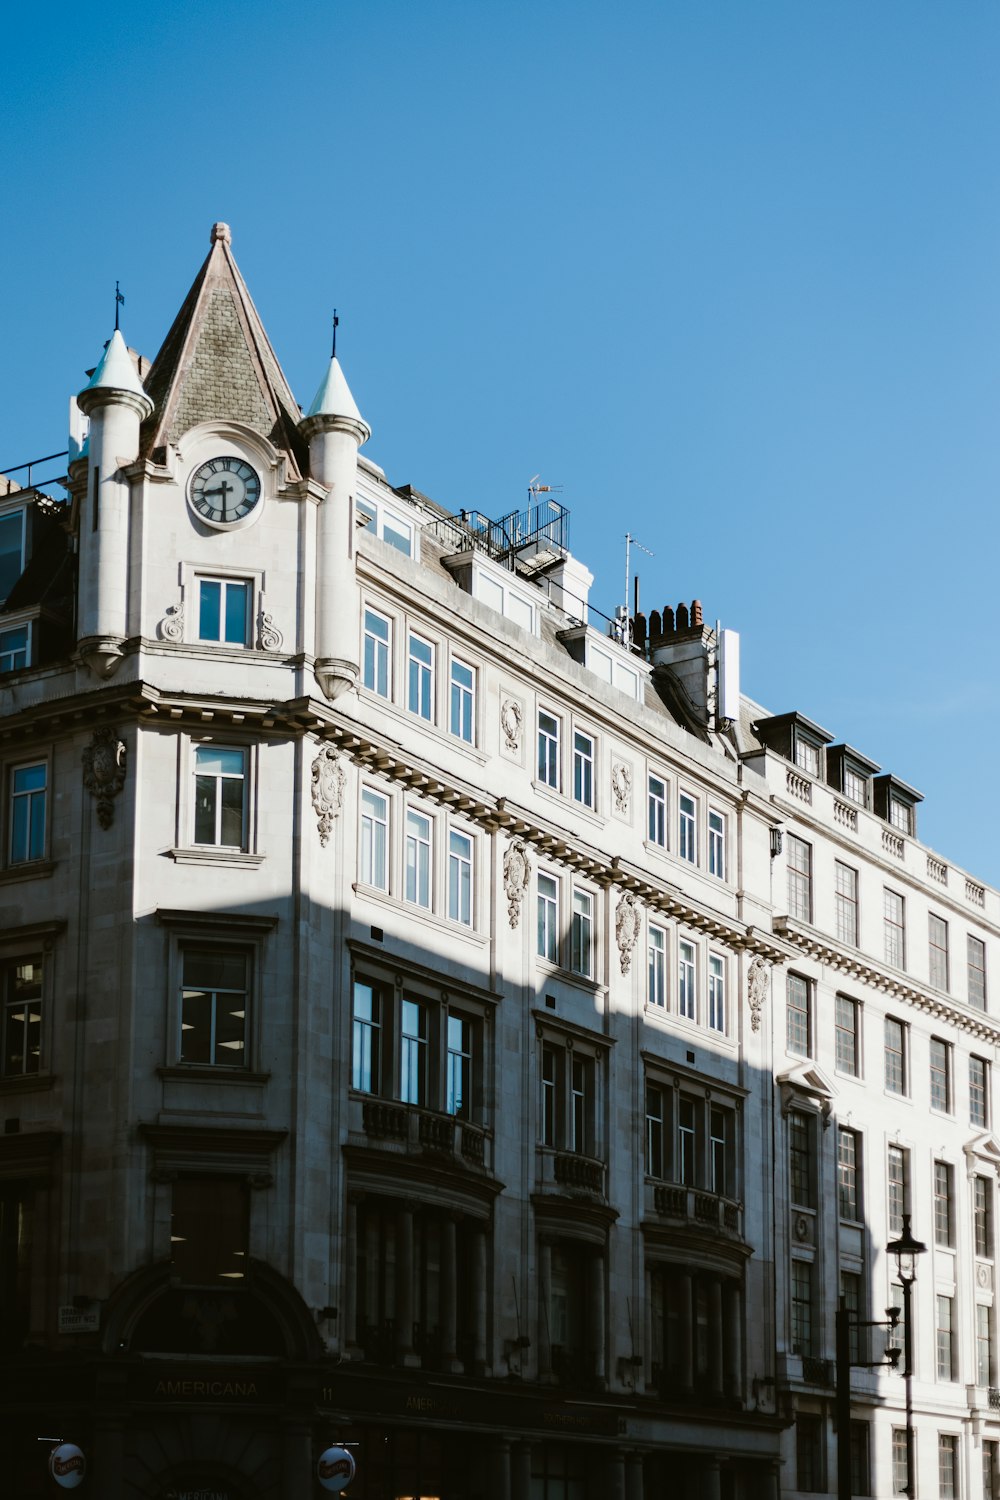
(624, 618)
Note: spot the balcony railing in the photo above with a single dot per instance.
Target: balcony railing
(674, 1201)
(424, 1130)
(575, 1171)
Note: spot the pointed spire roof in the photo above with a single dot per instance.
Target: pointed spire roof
(116, 371)
(334, 399)
(217, 364)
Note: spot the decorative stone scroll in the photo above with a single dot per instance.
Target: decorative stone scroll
(171, 627)
(626, 928)
(269, 637)
(758, 983)
(104, 771)
(621, 785)
(511, 719)
(516, 874)
(328, 781)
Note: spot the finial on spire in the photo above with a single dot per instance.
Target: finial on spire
(119, 302)
(221, 232)
(336, 323)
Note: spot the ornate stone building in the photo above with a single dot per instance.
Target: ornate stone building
(409, 1038)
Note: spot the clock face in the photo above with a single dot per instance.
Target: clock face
(224, 490)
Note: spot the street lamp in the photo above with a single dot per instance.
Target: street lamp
(906, 1249)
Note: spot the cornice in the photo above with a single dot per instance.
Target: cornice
(845, 961)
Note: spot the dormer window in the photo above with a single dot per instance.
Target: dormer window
(13, 540)
(900, 815)
(896, 802)
(385, 524)
(797, 738)
(850, 773)
(807, 755)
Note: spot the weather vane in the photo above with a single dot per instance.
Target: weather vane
(119, 302)
(336, 321)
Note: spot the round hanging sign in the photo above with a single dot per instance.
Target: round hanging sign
(67, 1465)
(335, 1469)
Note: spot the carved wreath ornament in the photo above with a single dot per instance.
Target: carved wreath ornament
(104, 772)
(621, 785)
(510, 722)
(626, 928)
(327, 790)
(758, 983)
(516, 874)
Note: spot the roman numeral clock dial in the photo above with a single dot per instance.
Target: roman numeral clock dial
(224, 490)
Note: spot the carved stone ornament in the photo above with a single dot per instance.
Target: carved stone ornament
(511, 719)
(621, 785)
(328, 781)
(626, 928)
(269, 638)
(758, 984)
(171, 627)
(516, 874)
(104, 772)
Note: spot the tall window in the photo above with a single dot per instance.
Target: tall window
(655, 1126)
(798, 1013)
(716, 992)
(991, 1469)
(583, 769)
(801, 1159)
(861, 1467)
(984, 1346)
(944, 1330)
(568, 1099)
(982, 1216)
(581, 934)
(894, 933)
(462, 712)
(847, 1036)
(459, 1070)
(548, 749)
(944, 1233)
(803, 1329)
(376, 653)
(553, 1073)
(687, 1141)
(687, 1003)
(716, 843)
(940, 1075)
(898, 1187)
(420, 679)
(799, 878)
(846, 900)
(979, 1092)
(214, 1002)
(27, 813)
(656, 993)
(418, 858)
(460, 877)
(374, 839)
(21, 988)
(809, 1440)
(947, 1466)
(687, 827)
(17, 1216)
(851, 1293)
(366, 1038)
(849, 1174)
(657, 811)
(900, 1466)
(895, 1056)
(937, 934)
(13, 537)
(14, 648)
(548, 918)
(224, 611)
(581, 1104)
(722, 1150)
(209, 1230)
(413, 1040)
(220, 797)
(855, 786)
(976, 972)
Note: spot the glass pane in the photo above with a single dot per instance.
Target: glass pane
(222, 762)
(204, 809)
(196, 1027)
(232, 813)
(210, 611)
(214, 969)
(237, 609)
(11, 529)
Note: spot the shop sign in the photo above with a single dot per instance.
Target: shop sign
(335, 1469)
(67, 1466)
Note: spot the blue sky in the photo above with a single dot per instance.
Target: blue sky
(729, 273)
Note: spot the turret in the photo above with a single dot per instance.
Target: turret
(335, 430)
(116, 403)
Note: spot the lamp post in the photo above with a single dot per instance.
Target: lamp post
(906, 1249)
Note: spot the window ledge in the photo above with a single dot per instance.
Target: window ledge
(27, 1083)
(422, 913)
(567, 802)
(33, 869)
(205, 1073)
(427, 726)
(569, 976)
(215, 854)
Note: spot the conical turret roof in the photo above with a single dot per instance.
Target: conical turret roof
(217, 364)
(334, 399)
(116, 371)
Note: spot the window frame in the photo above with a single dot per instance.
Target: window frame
(463, 700)
(657, 951)
(687, 825)
(687, 979)
(717, 1018)
(657, 810)
(377, 653)
(15, 799)
(892, 1071)
(20, 955)
(547, 905)
(717, 842)
(845, 899)
(850, 1175)
(937, 951)
(582, 933)
(548, 749)
(369, 857)
(220, 779)
(944, 1204)
(806, 1010)
(461, 884)
(215, 948)
(584, 769)
(979, 1088)
(226, 582)
(853, 1069)
(894, 928)
(800, 878)
(11, 628)
(975, 972)
(421, 869)
(570, 1117)
(421, 677)
(897, 1195)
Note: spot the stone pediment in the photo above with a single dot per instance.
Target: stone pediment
(984, 1148)
(806, 1082)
